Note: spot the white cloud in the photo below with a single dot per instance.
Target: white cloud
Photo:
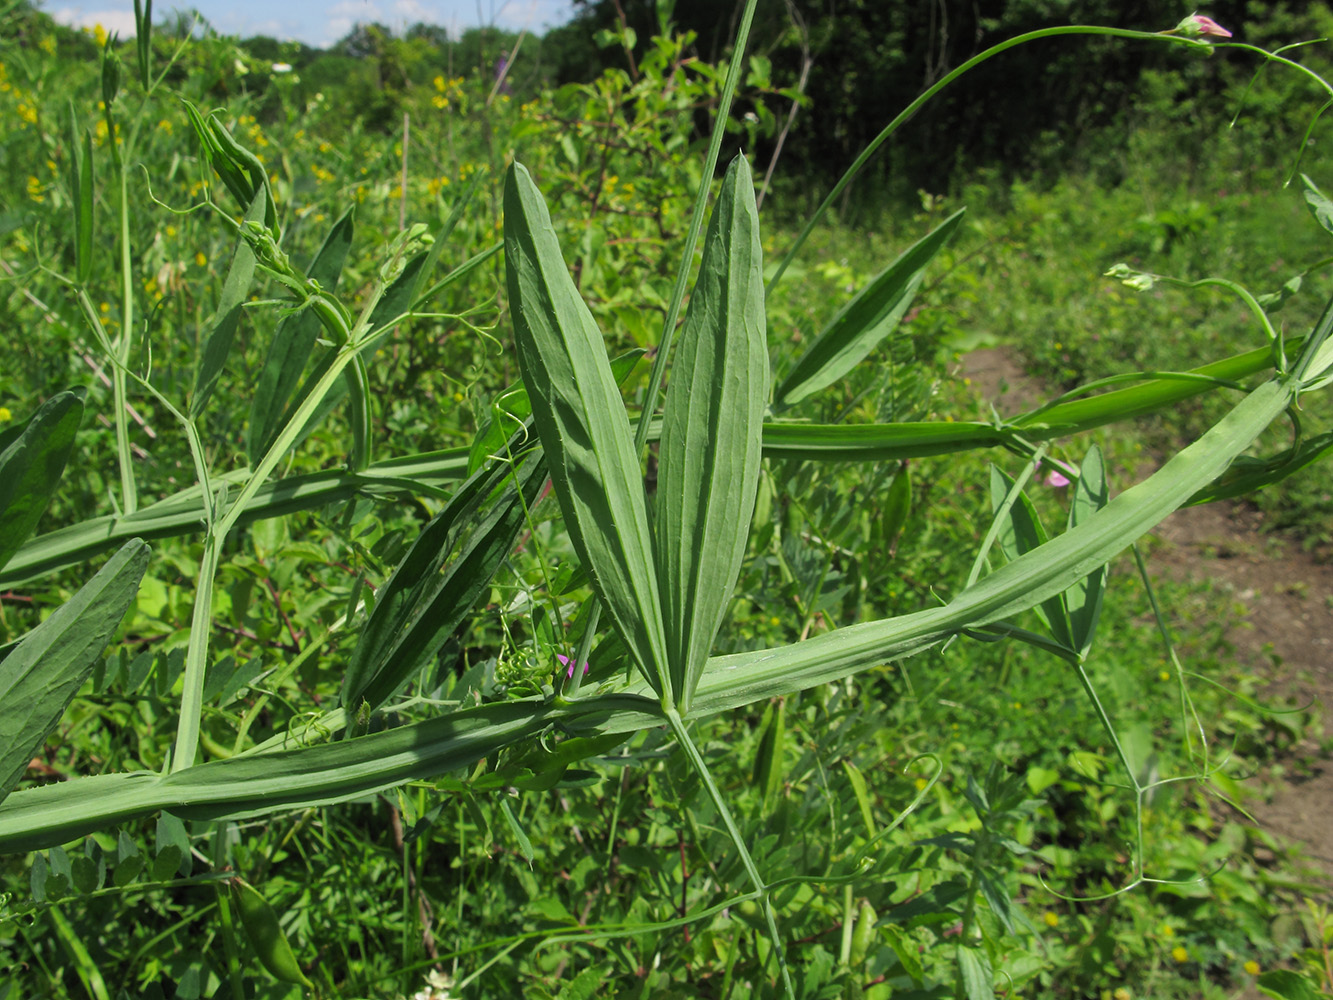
(120, 22)
(339, 18)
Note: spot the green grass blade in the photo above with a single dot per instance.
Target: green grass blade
(708, 466)
(81, 187)
(422, 604)
(584, 430)
(865, 321)
(32, 460)
(292, 343)
(49, 665)
(235, 290)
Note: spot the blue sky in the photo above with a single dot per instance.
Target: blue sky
(320, 22)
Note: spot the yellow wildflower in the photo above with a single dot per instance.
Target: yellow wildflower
(921, 784)
(5, 415)
(200, 259)
(99, 33)
(28, 113)
(35, 189)
(1051, 917)
(1181, 954)
(1251, 966)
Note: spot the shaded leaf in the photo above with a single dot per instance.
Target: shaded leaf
(43, 674)
(871, 316)
(32, 460)
(584, 430)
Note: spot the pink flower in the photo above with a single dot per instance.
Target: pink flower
(1199, 26)
(1054, 479)
(565, 661)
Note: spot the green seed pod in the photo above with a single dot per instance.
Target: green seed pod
(864, 934)
(265, 933)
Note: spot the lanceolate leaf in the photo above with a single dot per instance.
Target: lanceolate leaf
(420, 607)
(865, 321)
(1084, 598)
(32, 460)
(584, 430)
(49, 665)
(708, 466)
(235, 289)
(292, 343)
(1021, 532)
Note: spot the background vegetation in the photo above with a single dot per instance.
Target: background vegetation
(1096, 151)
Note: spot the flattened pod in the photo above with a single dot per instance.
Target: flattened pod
(265, 933)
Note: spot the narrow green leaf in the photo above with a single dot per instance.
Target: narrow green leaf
(524, 845)
(897, 508)
(182, 513)
(43, 674)
(974, 971)
(143, 40)
(708, 464)
(742, 678)
(1320, 206)
(865, 321)
(420, 607)
(583, 427)
(81, 186)
(997, 898)
(1084, 598)
(235, 290)
(858, 783)
(31, 464)
(292, 343)
(1021, 532)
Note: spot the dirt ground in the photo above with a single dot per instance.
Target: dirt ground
(1285, 631)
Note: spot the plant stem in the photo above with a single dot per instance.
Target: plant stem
(701, 768)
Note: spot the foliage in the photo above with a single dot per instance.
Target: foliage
(345, 683)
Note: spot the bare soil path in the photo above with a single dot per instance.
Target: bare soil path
(1284, 632)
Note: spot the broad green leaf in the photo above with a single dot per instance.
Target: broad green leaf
(32, 460)
(583, 427)
(1021, 531)
(1084, 598)
(235, 290)
(420, 607)
(871, 316)
(42, 675)
(708, 462)
(292, 343)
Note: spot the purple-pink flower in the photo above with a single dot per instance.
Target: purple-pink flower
(1200, 26)
(565, 661)
(1056, 480)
